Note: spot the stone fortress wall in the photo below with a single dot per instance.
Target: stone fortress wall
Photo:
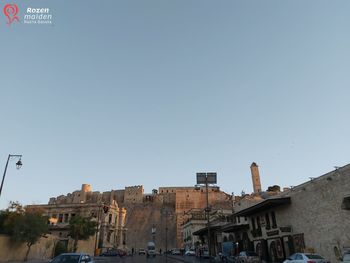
(146, 211)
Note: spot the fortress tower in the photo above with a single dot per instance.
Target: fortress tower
(255, 177)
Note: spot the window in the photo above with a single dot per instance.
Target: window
(346, 203)
(253, 223)
(258, 232)
(60, 218)
(267, 219)
(274, 223)
(65, 218)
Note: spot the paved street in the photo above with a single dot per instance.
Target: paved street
(157, 259)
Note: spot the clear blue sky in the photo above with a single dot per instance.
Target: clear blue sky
(126, 92)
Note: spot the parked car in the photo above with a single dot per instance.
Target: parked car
(205, 254)
(122, 252)
(190, 253)
(72, 258)
(110, 253)
(248, 257)
(305, 258)
(151, 249)
(345, 258)
(176, 252)
(231, 259)
(142, 251)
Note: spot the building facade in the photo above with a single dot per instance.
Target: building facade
(100, 207)
(313, 216)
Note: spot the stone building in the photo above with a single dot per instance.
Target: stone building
(313, 216)
(187, 198)
(195, 220)
(100, 207)
(133, 194)
(133, 217)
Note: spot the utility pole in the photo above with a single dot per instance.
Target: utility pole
(207, 178)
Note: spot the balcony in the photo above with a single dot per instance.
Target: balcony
(256, 232)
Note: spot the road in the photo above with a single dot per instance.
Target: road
(157, 259)
(137, 259)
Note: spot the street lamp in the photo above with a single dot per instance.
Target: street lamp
(98, 226)
(18, 166)
(207, 178)
(166, 212)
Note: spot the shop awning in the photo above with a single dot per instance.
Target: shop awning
(234, 227)
(264, 205)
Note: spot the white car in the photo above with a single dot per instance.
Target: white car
(190, 253)
(72, 258)
(305, 258)
(176, 252)
(346, 258)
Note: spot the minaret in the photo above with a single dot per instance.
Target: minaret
(255, 178)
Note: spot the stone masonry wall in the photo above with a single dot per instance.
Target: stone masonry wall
(316, 211)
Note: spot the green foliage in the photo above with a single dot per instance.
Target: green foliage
(60, 248)
(28, 228)
(23, 226)
(81, 228)
(15, 206)
(9, 217)
(3, 218)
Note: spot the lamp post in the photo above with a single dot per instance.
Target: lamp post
(207, 178)
(98, 227)
(18, 166)
(166, 213)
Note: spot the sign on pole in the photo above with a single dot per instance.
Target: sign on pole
(211, 178)
(201, 178)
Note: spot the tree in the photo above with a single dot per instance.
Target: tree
(9, 216)
(22, 226)
(28, 228)
(81, 228)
